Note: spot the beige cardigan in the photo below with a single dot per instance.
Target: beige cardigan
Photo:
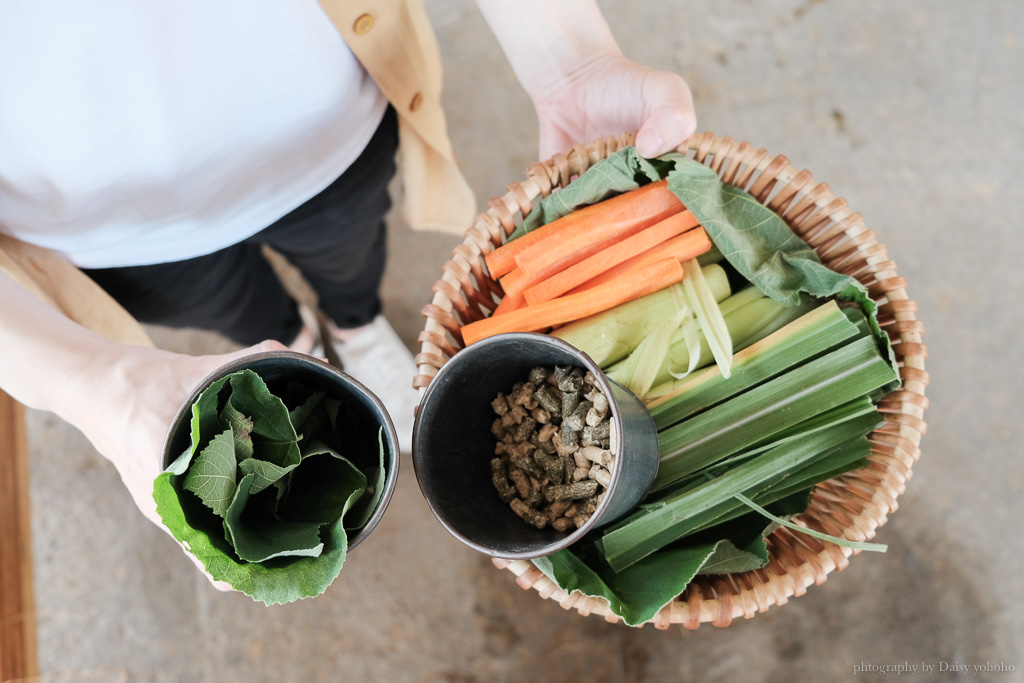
(394, 41)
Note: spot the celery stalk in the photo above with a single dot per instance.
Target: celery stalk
(643, 363)
(691, 337)
(610, 336)
(841, 375)
(709, 316)
(751, 320)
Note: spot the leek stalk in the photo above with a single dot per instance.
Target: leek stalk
(814, 332)
(678, 516)
(850, 371)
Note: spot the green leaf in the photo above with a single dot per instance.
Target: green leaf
(241, 428)
(263, 473)
(637, 593)
(205, 419)
(622, 171)
(752, 237)
(301, 416)
(856, 545)
(257, 538)
(323, 488)
(727, 558)
(279, 581)
(274, 438)
(212, 475)
(762, 247)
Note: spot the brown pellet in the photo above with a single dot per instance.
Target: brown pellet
(577, 491)
(528, 514)
(521, 482)
(499, 477)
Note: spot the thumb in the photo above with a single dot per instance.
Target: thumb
(672, 118)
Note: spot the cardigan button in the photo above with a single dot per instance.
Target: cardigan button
(416, 102)
(363, 24)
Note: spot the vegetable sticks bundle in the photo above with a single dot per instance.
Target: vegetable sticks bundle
(591, 260)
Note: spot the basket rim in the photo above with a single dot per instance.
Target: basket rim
(853, 505)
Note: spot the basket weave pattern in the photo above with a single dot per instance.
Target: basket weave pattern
(850, 506)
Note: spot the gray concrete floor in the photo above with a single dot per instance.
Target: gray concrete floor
(910, 110)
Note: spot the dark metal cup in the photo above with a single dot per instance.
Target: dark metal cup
(453, 445)
(277, 368)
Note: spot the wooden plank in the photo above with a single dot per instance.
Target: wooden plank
(18, 658)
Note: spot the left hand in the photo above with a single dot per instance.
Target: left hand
(614, 95)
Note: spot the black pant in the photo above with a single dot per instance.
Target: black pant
(337, 240)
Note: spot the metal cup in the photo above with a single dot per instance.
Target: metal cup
(277, 368)
(453, 445)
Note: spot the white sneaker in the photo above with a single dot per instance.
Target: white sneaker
(379, 359)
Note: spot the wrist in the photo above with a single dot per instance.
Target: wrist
(550, 44)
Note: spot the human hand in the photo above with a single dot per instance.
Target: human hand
(612, 95)
(568, 61)
(134, 393)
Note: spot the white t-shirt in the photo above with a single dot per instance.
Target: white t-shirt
(135, 132)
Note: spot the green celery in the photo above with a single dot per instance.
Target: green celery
(744, 321)
(698, 294)
(610, 336)
(643, 363)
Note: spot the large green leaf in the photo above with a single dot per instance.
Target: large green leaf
(634, 594)
(323, 488)
(623, 171)
(257, 538)
(212, 475)
(761, 246)
(274, 438)
(752, 237)
(277, 581)
(276, 545)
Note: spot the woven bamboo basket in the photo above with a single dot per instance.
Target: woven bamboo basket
(850, 506)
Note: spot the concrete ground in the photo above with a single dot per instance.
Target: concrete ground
(912, 111)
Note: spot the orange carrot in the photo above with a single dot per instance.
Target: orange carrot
(509, 304)
(572, 307)
(618, 218)
(503, 259)
(682, 248)
(609, 257)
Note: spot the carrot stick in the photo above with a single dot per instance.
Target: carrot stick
(503, 259)
(682, 248)
(509, 304)
(575, 306)
(617, 218)
(609, 257)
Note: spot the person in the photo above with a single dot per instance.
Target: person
(161, 149)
